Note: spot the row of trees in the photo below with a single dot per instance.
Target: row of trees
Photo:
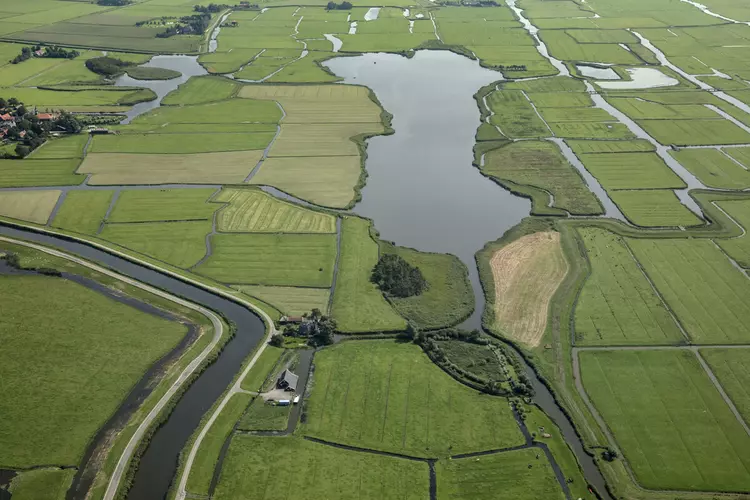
(211, 8)
(114, 3)
(316, 327)
(195, 24)
(339, 6)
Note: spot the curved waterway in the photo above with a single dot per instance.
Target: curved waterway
(422, 190)
(159, 463)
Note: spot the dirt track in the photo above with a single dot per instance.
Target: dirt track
(527, 273)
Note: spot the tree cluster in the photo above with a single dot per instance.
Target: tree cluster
(315, 326)
(339, 6)
(195, 24)
(398, 278)
(29, 131)
(211, 8)
(52, 52)
(107, 66)
(114, 3)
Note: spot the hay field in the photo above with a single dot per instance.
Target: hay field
(631, 171)
(123, 168)
(674, 428)
(255, 211)
(328, 181)
(386, 395)
(292, 301)
(31, 206)
(527, 273)
(322, 139)
(654, 208)
(617, 305)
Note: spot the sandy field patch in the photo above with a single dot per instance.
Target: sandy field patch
(199, 168)
(32, 206)
(527, 273)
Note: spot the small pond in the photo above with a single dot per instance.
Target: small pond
(598, 72)
(641, 78)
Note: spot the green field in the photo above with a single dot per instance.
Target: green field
(292, 301)
(255, 211)
(515, 115)
(42, 484)
(181, 244)
(260, 371)
(251, 470)
(701, 286)
(66, 147)
(540, 164)
(272, 259)
(199, 90)
(147, 73)
(262, 416)
(631, 171)
(654, 208)
(154, 205)
(448, 298)
(389, 396)
(80, 361)
(738, 248)
(358, 305)
(695, 132)
(584, 147)
(83, 211)
(31, 172)
(521, 474)
(714, 168)
(732, 368)
(617, 305)
(175, 143)
(674, 429)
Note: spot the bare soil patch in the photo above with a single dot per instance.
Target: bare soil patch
(527, 273)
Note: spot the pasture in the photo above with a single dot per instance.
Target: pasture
(181, 244)
(328, 181)
(124, 168)
(29, 172)
(448, 298)
(31, 206)
(385, 395)
(701, 286)
(358, 305)
(631, 171)
(260, 416)
(591, 130)
(152, 205)
(515, 115)
(714, 168)
(259, 373)
(521, 474)
(674, 429)
(227, 62)
(65, 147)
(81, 361)
(695, 132)
(737, 248)
(635, 146)
(322, 139)
(540, 164)
(292, 301)
(272, 259)
(526, 275)
(42, 484)
(83, 211)
(654, 208)
(200, 90)
(732, 368)
(617, 305)
(251, 471)
(222, 112)
(252, 210)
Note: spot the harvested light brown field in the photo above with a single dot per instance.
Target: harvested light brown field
(200, 168)
(32, 206)
(527, 273)
(321, 139)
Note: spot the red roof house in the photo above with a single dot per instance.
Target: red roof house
(6, 117)
(45, 116)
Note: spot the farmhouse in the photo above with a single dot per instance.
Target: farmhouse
(287, 381)
(45, 117)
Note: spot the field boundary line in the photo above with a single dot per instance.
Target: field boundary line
(715, 381)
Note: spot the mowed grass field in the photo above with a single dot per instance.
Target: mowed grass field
(292, 301)
(255, 211)
(67, 363)
(631, 171)
(272, 259)
(358, 304)
(153, 205)
(732, 368)
(618, 306)
(83, 211)
(714, 168)
(674, 428)
(31, 206)
(706, 292)
(180, 143)
(654, 208)
(42, 484)
(522, 474)
(389, 396)
(252, 469)
(30, 172)
(540, 164)
(199, 90)
(448, 298)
